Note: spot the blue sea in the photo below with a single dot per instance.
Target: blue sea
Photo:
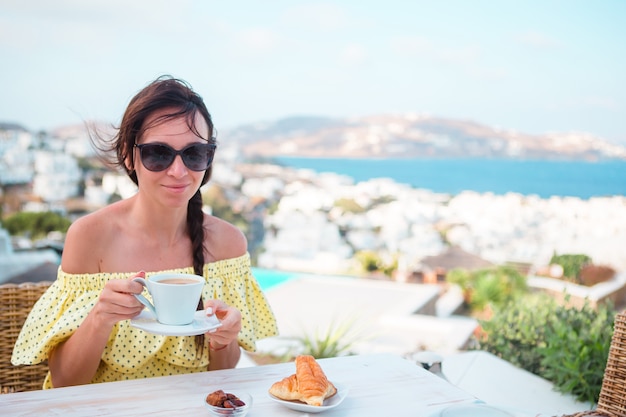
(452, 176)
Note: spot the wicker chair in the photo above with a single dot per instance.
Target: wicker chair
(16, 301)
(612, 399)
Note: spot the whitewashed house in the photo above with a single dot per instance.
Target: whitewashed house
(57, 176)
(16, 161)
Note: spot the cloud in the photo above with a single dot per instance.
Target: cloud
(538, 40)
(492, 73)
(354, 54)
(411, 45)
(461, 58)
(91, 25)
(318, 16)
(425, 48)
(258, 40)
(464, 54)
(595, 102)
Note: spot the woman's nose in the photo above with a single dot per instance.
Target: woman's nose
(178, 168)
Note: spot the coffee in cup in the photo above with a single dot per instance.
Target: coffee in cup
(178, 281)
(175, 296)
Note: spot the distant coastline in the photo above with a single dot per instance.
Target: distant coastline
(544, 178)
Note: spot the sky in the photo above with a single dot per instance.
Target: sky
(534, 66)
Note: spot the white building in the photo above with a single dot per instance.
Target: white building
(57, 176)
(16, 162)
(412, 224)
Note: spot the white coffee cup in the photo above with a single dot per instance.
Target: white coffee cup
(175, 296)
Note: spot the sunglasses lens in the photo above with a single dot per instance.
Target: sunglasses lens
(198, 157)
(157, 157)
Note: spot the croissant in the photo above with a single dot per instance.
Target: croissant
(309, 384)
(286, 389)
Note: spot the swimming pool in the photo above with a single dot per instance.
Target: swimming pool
(269, 278)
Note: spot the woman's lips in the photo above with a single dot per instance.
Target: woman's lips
(177, 188)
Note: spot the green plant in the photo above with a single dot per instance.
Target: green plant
(36, 224)
(371, 261)
(336, 340)
(565, 345)
(488, 287)
(572, 265)
(516, 331)
(576, 349)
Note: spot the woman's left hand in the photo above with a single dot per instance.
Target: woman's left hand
(229, 316)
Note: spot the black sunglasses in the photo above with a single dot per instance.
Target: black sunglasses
(158, 156)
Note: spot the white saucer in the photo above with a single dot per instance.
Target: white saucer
(200, 324)
(329, 403)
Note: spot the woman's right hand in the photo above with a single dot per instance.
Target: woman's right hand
(76, 360)
(117, 302)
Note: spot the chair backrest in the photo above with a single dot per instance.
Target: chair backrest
(16, 301)
(612, 399)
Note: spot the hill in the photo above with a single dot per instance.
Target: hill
(410, 136)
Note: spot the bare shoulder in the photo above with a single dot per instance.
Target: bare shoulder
(86, 239)
(223, 240)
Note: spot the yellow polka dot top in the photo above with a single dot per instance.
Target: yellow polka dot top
(132, 353)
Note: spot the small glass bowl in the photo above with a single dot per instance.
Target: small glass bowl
(232, 412)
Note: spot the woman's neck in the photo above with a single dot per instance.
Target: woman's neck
(165, 225)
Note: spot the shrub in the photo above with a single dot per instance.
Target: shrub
(572, 265)
(565, 345)
(370, 261)
(36, 224)
(488, 287)
(516, 332)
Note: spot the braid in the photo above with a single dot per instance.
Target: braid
(195, 226)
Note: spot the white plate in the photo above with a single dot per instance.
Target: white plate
(200, 324)
(329, 403)
(474, 410)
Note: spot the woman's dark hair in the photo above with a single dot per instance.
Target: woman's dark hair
(163, 93)
(180, 100)
(177, 96)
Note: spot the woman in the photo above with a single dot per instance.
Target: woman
(81, 325)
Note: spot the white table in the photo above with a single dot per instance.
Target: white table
(380, 385)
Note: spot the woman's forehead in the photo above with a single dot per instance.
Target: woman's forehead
(160, 123)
